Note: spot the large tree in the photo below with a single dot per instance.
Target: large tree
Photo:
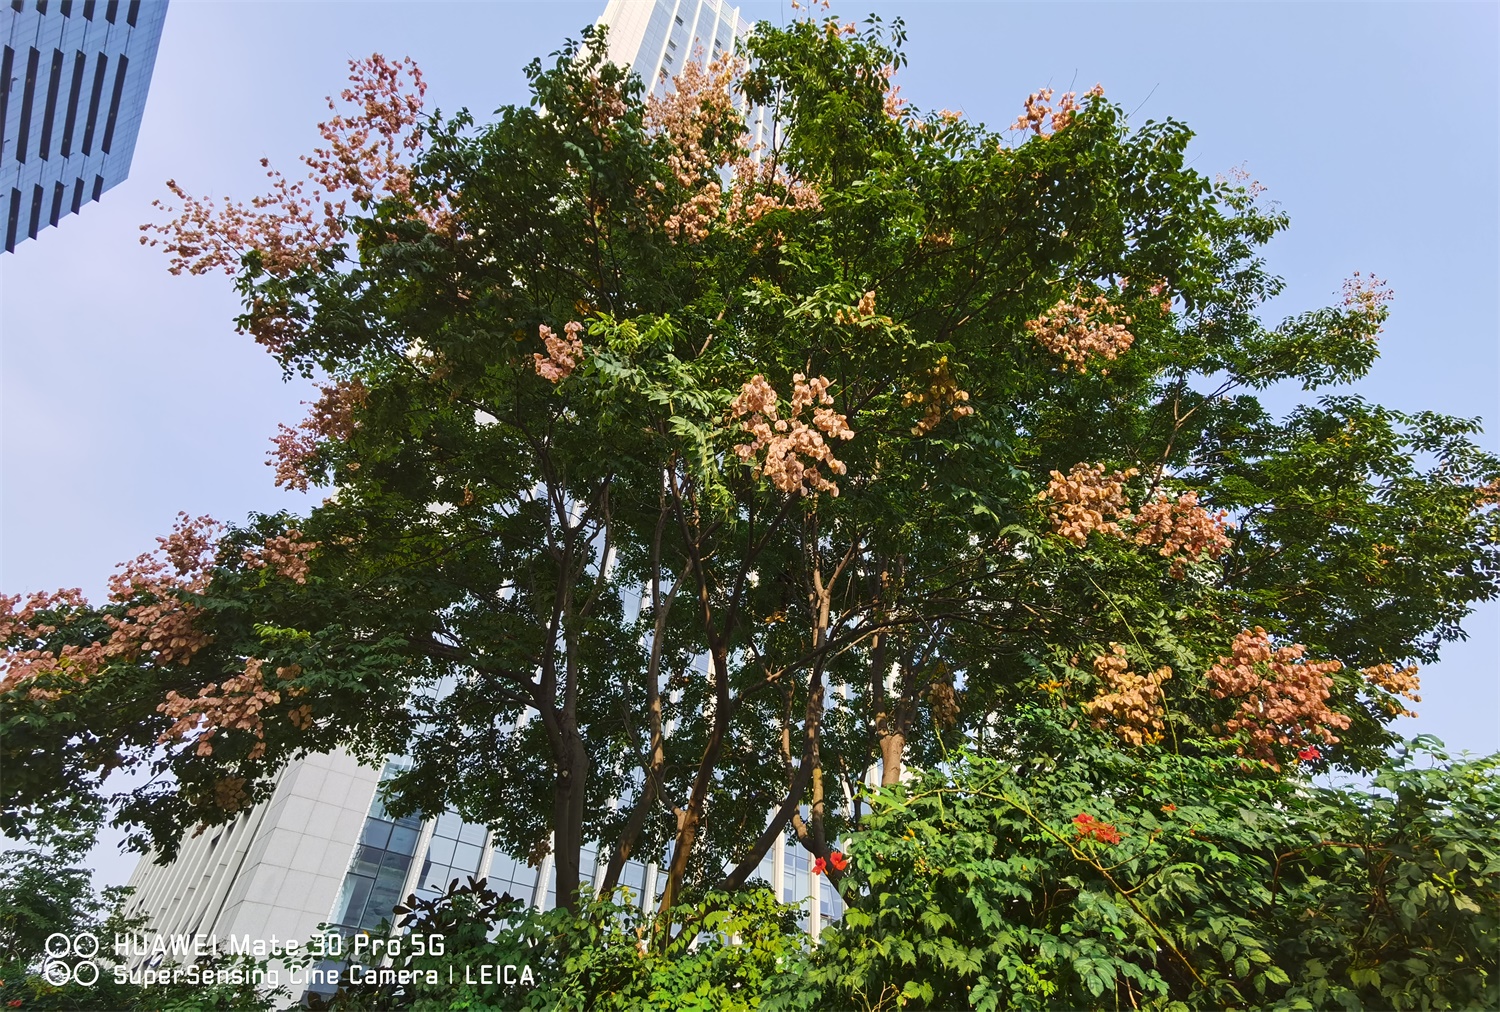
(676, 483)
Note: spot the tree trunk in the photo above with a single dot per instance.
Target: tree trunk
(798, 786)
(567, 817)
(690, 819)
(892, 748)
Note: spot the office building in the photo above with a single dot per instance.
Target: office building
(655, 38)
(72, 89)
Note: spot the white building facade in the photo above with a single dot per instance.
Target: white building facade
(656, 38)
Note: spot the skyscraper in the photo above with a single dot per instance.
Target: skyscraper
(655, 38)
(72, 88)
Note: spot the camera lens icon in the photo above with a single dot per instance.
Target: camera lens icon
(59, 947)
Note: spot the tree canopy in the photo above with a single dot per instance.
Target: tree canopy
(673, 482)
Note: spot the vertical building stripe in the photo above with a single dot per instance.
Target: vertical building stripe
(13, 221)
(49, 112)
(88, 128)
(114, 103)
(23, 134)
(37, 197)
(6, 64)
(80, 62)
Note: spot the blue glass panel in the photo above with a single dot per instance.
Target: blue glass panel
(376, 834)
(367, 860)
(466, 857)
(404, 838)
(448, 825)
(441, 850)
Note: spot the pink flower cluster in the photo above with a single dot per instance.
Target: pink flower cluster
(1283, 699)
(895, 105)
(1038, 111)
(1243, 179)
(156, 624)
(235, 705)
(1086, 500)
(1183, 529)
(333, 417)
(563, 353)
(691, 115)
(366, 156)
(285, 555)
(698, 116)
(1396, 681)
(1132, 703)
(758, 188)
(1083, 330)
(792, 448)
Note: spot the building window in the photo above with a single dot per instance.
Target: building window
(23, 133)
(49, 111)
(36, 210)
(114, 103)
(6, 64)
(14, 220)
(80, 63)
(94, 96)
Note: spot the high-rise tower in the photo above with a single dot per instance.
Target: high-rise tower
(72, 88)
(656, 38)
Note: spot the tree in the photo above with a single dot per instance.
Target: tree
(703, 478)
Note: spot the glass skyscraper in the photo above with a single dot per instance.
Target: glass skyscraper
(72, 88)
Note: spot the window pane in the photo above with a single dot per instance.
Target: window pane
(377, 833)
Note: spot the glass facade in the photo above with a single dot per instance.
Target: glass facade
(73, 81)
(378, 870)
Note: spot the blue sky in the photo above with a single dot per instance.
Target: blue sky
(127, 396)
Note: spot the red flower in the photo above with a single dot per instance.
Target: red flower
(838, 860)
(1090, 828)
(1310, 754)
(819, 866)
(16, 1003)
(1169, 808)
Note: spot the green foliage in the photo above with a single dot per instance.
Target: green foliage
(977, 886)
(44, 891)
(718, 953)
